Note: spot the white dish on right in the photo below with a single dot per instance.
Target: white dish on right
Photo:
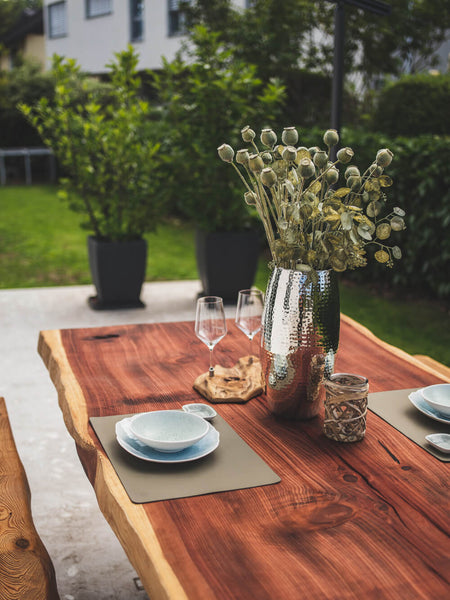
(420, 403)
(438, 397)
(441, 441)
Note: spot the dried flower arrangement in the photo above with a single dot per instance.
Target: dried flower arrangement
(309, 224)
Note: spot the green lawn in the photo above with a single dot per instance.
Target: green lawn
(41, 244)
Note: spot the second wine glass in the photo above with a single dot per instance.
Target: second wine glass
(210, 324)
(249, 312)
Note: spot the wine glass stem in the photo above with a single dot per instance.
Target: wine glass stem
(211, 368)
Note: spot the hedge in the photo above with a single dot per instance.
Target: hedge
(414, 105)
(421, 173)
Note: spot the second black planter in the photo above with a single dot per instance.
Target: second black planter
(118, 272)
(227, 262)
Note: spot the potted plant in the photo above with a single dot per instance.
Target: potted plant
(105, 145)
(203, 93)
(315, 227)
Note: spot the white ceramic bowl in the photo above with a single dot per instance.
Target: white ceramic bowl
(438, 397)
(168, 430)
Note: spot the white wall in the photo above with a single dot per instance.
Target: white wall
(92, 42)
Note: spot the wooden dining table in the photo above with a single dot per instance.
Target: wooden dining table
(364, 520)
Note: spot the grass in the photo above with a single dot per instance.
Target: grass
(41, 244)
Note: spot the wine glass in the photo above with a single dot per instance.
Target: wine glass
(249, 312)
(210, 324)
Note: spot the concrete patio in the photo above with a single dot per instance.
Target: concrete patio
(89, 561)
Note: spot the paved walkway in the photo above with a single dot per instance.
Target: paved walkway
(89, 561)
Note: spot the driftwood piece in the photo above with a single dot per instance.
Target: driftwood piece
(238, 384)
(26, 570)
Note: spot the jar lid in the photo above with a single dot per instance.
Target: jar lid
(348, 380)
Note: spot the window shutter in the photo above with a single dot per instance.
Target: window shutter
(57, 19)
(96, 8)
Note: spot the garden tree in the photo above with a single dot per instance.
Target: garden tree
(10, 11)
(270, 34)
(207, 95)
(106, 145)
(405, 41)
(278, 37)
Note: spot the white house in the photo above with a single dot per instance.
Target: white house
(90, 31)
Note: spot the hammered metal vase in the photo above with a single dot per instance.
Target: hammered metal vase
(300, 336)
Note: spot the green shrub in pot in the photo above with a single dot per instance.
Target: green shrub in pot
(204, 93)
(107, 149)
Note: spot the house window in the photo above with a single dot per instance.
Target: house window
(57, 20)
(137, 20)
(98, 8)
(177, 18)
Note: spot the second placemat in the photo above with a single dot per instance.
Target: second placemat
(396, 408)
(232, 466)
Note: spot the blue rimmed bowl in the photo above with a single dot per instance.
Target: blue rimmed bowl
(168, 430)
(438, 397)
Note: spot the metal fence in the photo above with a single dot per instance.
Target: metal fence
(27, 154)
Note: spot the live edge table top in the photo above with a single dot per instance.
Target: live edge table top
(347, 521)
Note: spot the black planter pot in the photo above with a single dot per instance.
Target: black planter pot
(118, 272)
(226, 262)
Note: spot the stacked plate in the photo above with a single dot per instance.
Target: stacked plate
(167, 436)
(433, 401)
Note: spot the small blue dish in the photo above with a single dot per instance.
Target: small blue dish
(202, 410)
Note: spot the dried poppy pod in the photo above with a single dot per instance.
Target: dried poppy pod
(255, 163)
(250, 198)
(332, 176)
(384, 157)
(268, 177)
(248, 135)
(289, 136)
(289, 153)
(320, 159)
(226, 153)
(345, 155)
(242, 156)
(268, 137)
(306, 168)
(331, 137)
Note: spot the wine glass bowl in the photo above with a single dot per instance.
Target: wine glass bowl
(210, 324)
(249, 312)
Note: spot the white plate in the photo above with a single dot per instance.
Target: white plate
(132, 445)
(419, 402)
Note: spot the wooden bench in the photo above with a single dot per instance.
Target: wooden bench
(26, 570)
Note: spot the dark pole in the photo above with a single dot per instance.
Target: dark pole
(338, 70)
(338, 65)
(374, 6)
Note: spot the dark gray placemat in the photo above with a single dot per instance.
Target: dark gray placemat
(232, 466)
(396, 408)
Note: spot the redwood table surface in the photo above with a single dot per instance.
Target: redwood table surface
(348, 521)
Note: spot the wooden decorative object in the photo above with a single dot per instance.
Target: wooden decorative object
(238, 384)
(26, 570)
